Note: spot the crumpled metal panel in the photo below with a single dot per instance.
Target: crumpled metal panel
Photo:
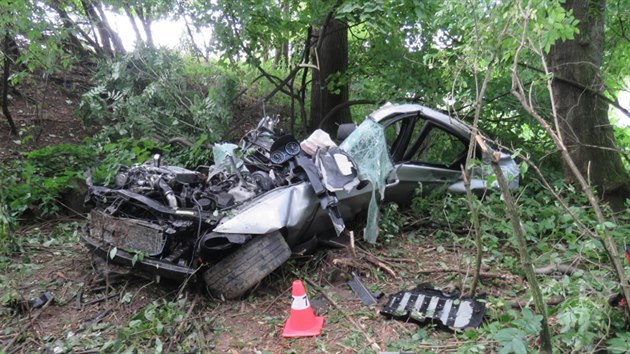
(368, 148)
(127, 234)
(272, 211)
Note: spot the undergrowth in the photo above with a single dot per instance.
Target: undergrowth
(582, 321)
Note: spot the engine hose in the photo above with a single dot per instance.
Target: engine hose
(168, 193)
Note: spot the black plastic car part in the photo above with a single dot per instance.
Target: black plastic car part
(427, 303)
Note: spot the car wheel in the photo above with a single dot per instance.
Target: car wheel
(232, 276)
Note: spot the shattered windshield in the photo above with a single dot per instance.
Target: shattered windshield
(368, 148)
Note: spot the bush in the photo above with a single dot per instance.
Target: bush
(155, 93)
(35, 182)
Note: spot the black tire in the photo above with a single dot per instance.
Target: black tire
(240, 271)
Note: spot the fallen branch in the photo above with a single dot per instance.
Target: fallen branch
(481, 274)
(557, 268)
(379, 262)
(381, 265)
(370, 340)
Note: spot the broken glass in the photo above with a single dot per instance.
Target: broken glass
(368, 148)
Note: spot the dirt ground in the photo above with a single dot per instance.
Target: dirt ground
(44, 114)
(86, 303)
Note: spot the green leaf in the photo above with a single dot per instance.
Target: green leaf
(530, 323)
(512, 340)
(619, 344)
(567, 320)
(112, 252)
(158, 346)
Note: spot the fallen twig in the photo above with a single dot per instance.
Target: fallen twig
(96, 301)
(521, 303)
(400, 260)
(379, 262)
(452, 270)
(276, 299)
(370, 340)
(381, 265)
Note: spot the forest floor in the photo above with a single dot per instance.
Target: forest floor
(96, 305)
(94, 310)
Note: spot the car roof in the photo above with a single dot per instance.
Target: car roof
(389, 110)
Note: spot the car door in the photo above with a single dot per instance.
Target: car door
(427, 154)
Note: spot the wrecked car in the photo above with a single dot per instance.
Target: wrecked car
(234, 222)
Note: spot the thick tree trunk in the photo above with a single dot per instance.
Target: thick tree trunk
(73, 44)
(583, 117)
(332, 61)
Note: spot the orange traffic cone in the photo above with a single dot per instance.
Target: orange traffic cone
(302, 321)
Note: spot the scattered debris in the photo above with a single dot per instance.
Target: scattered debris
(26, 326)
(360, 328)
(40, 301)
(99, 317)
(367, 298)
(427, 303)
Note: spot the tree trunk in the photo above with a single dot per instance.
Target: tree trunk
(73, 44)
(69, 24)
(332, 59)
(113, 36)
(132, 20)
(5, 83)
(92, 15)
(110, 41)
(281, 57)
(145, 19)
(583, 117)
